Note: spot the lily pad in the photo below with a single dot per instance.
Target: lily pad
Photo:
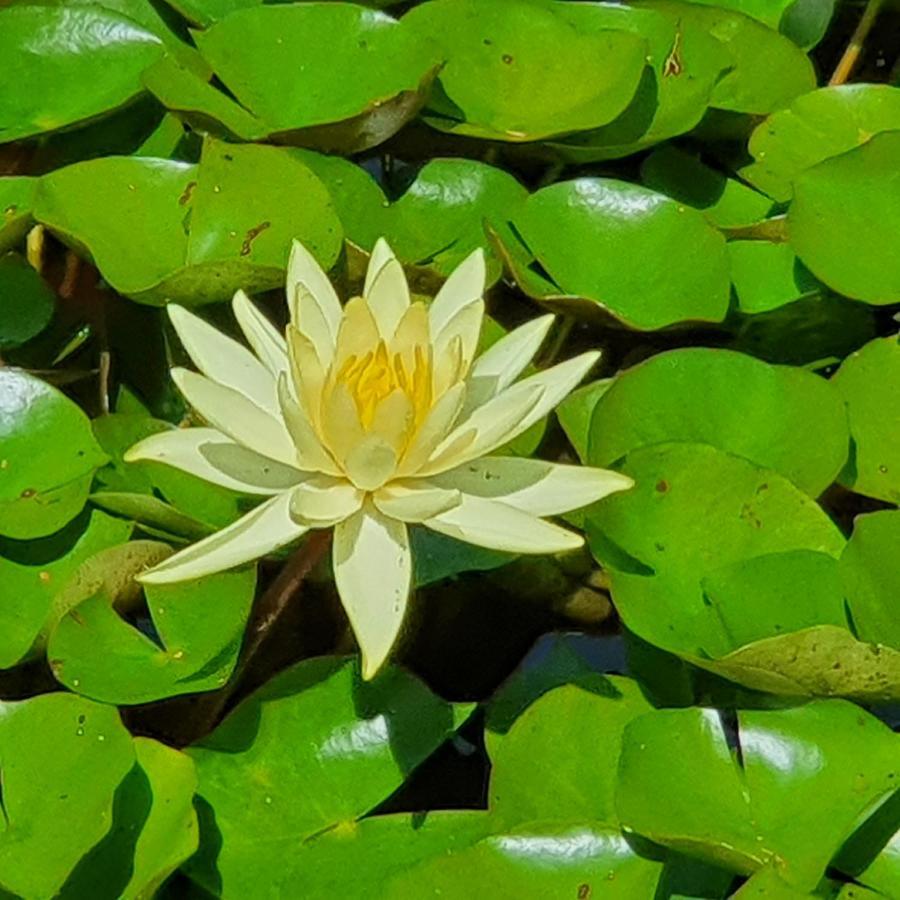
(695, 510)
(33, 573)
(805, 779)
(160, 230)
(16, 204)
(868, 381)
(579, 231)
(768, 276)
(26, 302)
(63, 758)
(517, 70)
(69, 64)
(377, 71)
(47, 457)
(844, 213)
(817, 126)
(195, 629)
(780, 417)
(314, 748)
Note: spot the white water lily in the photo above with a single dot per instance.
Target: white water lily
(368, 418)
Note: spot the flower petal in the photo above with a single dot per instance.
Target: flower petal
(464, 286)
(532, 485)
(464, 327)
(414, 500)
(307, 372)
(370, 463)
(310, 454)
(499, 366)
(373, 573)
(433, 430)
(241, 419)
(492, 524)
(223, 359)
(386, 292)
(357, 335)
(261, 334)
(212, 456)
(323, 501)
(378, 259)
(261, 531)
(313, 303)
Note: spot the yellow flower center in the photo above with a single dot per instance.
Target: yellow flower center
(374, 376)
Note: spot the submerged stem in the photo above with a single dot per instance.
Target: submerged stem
(848, 61)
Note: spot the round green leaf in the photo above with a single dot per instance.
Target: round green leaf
(362, 76)
(803, 21)
(558, 860)
(63, 758)
(197, 627)
(161, 230)
(26, 302)
(580, 231)
(33, 573)
(16, 203)
(779, 417)
(767, 276)
(68, 65)
(47, 457)
(868, 381)
(517, 70)
(845, 213)
(815, 127)
(805, 779)
(314, 748)
(695, 510)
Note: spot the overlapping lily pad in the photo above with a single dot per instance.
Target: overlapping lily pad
(844, 213)
(518, 70)
(579, 231)
(779, 417)
(47, 457)
(16, 203)
(767, 276)
(68, 65)
(26, 302)
(160, 230)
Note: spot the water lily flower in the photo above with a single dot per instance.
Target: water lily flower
(369, 418)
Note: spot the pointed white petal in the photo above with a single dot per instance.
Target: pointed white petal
(464, 286)
(433, 430)
(310, 454)
(489, 523)
(465, 327)
(261, 334)
(388, 296)
(212, 456)
(261, 531)
(414, 500)
(323, 501)
(380, 257)
(499, 366)
(532, 485)
(223, 359)
(241, 419)
(373, 573)
(371, 463)
(314, 305)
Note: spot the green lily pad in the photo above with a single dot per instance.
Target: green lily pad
(868, 381)
(26, 302)
(536, 860)
(817, 126)
(205, 12)
(63, 758)
(684, 64)
(767, 276)
(314, 748)
(33, 573)
(69, 64)
(753, 48)
(378, 72)
(195, 636)
(779, 417)
(16, 204)
(518, 70)
(805, 779)
(579, 231)
(804, 21)
(844, 213)
(726, 202)
(576, 412)
(160, 230)
(532, 781)
(870, 572)
(695, 510)
(47, 457)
